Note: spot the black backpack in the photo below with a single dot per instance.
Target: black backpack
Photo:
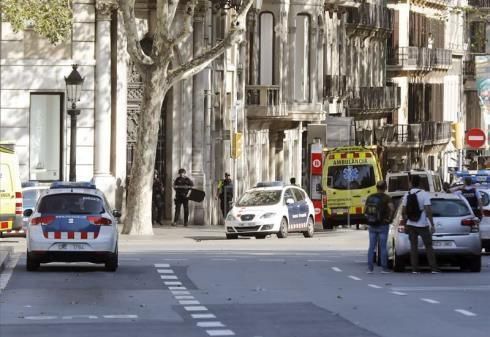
(413, 209)
(374, 210)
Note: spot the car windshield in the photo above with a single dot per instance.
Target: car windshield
(400, 183)
(345, 177)
(449, 208)
(71, 203)
(259, 198)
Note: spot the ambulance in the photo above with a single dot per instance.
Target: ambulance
(349, 177)
(10, 190)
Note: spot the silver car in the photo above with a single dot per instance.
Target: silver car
(456, 239)
(485, 221)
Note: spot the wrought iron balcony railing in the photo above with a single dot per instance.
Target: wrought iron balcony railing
(420, 58)
(263, 101)
(368, 15)
(469, 68)
(479, 3)
(371, 101)
(414, 135)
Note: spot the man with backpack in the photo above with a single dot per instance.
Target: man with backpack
(379, 210)
(417, 212)
(472, 196)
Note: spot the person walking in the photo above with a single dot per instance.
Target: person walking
(182, 186)
(157, 199)
(417, 213)
(472, 195)
(379, 210)
(292, 181)
(225, 194)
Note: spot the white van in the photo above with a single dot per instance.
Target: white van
(398, 183)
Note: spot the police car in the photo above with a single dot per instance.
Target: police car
(72, 222)
(271, 208)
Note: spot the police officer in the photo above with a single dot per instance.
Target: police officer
(182, 186)
(225, 193)
(472, 195)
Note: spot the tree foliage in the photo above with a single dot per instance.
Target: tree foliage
(51, 19)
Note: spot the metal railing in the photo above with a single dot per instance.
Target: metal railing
(469, 68)
(265, 97)
(479, 3)
(334, 86)
(410, 135)
(369, 15)
(420, 57)
(376, 98)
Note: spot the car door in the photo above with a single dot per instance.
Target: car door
(302, 206)
(293, 210)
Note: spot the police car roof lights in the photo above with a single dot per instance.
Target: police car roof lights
(270, 184)
(72, 184)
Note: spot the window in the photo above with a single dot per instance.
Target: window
(302, 59)
(298, 194)
(71, 203)
(45, 137)
(259, 198)
(352, 177)
(288, 195)
(266, 49)
(448, 208)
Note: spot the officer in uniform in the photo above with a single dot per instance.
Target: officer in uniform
(182, 186)
(225, 192)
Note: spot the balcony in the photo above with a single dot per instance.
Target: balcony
(374, 102)
(419, 58)
(335, 86)
(469, 68)
(484, 4)
(369, 16)
(414, 135)
(263, 101)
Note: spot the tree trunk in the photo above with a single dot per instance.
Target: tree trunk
(139, 197)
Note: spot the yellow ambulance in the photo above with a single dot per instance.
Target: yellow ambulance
(10, 190)
(349, 177)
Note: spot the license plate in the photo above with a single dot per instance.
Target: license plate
(71, 246)
(246, 224)
(340, 210)
(442, 244)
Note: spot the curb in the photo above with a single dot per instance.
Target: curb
(4, 257)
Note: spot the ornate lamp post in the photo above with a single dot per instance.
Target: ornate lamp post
(74, 84)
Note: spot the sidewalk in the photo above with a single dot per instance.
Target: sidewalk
(4, 256)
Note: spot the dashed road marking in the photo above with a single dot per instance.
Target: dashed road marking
(196, 308)
(202, 316)
(165, 271)
(177, 288)
(338, 270)
(354, 278)
(184, 297)
(40, 317)
(189, 302)
(429, 300)
(180, 292)
(220, 332)
(374, 286)
(168, 277)
(399, 293)
(121, 316)
(162, 265)
(172, 283)
(210, 324)
(81, 317)
(465, 312)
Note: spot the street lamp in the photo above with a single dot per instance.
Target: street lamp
(74, 84)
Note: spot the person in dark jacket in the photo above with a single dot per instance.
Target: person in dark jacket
(472, 195)
(182, 186)
(225, 193)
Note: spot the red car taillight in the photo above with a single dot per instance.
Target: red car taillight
(99, 221)
(474, 224)
(42, 220)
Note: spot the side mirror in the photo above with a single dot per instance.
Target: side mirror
(116, 213)
(28, 212)
(289, 201)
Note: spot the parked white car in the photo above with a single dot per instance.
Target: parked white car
(271, 208)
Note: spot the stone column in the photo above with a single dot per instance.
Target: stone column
(314, 52)
(198, 214)
(103, 178)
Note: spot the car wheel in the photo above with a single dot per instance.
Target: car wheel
(112, 262)
(474, 264)
(310, 231)
(32, 264)
(398, 262)
(232, 236)
(283, 229)
(261, 236)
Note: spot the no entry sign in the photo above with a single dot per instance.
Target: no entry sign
(475, 138)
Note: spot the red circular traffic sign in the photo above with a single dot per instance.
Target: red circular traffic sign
(475, 138)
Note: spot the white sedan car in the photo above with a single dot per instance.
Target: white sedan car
(271, 208)
(72, 222)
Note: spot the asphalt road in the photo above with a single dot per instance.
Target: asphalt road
(204, 286)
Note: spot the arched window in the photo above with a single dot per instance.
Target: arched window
(266, 48)
(302, 59)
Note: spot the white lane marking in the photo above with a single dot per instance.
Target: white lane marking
(189, 302)
(162, 265)
(177, 288)
(40, 317)
(168, 277)
(374, 286)
(196, 308)
(220, 332)
(399, 293)
(173, 283)
(354, 278)
(318, 260)
(338, 270)
(165, 271)
(210, 324)
(184, 297)
(465, 312)
(80, 317)
(220, 259)
(272, 260)
(121, 316)
(8, 271)
(180, 292)
(203, 316)
(429, 300)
